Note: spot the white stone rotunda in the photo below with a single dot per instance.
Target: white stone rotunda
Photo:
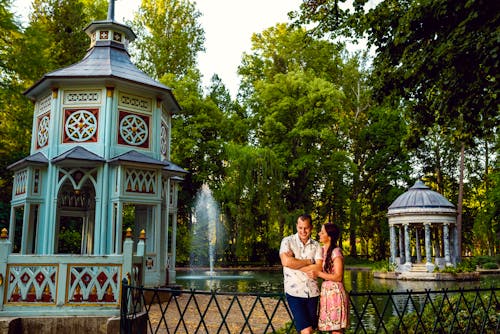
(422, 226)
(99, 165)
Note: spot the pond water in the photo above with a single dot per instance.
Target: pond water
(271, 281)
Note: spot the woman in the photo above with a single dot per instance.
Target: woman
(334, 302)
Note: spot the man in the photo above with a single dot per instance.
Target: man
(300, 254)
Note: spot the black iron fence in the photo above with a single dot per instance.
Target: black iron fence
(166, 310)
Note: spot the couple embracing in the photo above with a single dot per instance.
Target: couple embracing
(304, 260)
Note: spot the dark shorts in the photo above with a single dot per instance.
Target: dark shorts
(304, 311)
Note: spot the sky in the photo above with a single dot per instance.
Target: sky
(228, 25)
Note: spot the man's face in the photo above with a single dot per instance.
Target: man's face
(304, 229)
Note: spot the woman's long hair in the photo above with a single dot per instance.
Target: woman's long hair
(334, 233)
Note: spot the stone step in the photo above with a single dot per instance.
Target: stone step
(418, 267)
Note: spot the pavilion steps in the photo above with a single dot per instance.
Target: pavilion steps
(418, 268)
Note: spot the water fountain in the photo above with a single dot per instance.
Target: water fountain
(206, 227)
(207, 235)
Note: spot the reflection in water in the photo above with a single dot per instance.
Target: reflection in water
(401, 285)
(271, 281)
(216, 280)
(406, 297)
(355, 281)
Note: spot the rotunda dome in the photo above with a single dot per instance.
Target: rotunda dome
(421, 196)
(421, 200)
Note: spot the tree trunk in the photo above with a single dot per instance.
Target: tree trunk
(460, 203)
(354, 216)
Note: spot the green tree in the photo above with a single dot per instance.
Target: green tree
(439, 57)
(251, 200)
(169, 37)
(15, 111)
(290, 82)
(199, 134)
(53, 38)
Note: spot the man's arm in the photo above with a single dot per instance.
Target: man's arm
(315, 266)
(288, 260)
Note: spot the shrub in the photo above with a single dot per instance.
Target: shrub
(357, 261)
(383, 266)
(482, 259)
(490, 265)
(466, 266)
(459, 312)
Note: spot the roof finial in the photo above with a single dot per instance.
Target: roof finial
(111, 10)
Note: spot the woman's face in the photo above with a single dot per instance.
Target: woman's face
(323, 236)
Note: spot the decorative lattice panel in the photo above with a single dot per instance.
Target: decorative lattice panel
(20, 182)
(104, 34)
(94, 284)
(42, 130)
(139, 103)
(80, 125)
(133, 129)
(117, 37)
(44, 105)
(31, 284)
(140, 181)
(36, 181)
(82, 97)
(164, 139)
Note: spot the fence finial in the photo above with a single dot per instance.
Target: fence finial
(128, 233)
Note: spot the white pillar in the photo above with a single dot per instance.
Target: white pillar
(427, 243)
(173, 243)
(456, 257)
(401, 245)
(417, 246)
(392, 234)
(446, 240)
(407, 244)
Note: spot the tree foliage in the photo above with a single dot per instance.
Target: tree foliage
(169, 37)
(439, 58)
(314, 129)
(52, 38)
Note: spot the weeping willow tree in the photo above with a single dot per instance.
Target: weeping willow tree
(253, 215)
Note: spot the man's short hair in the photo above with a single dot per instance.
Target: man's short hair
(306, 217)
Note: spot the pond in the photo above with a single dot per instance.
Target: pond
(271, 281)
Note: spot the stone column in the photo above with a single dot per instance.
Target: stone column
(427, 238)
(392, 235)
(417, 246)
(437, 242)
(401, 246)
(407, 244)
(446, 241)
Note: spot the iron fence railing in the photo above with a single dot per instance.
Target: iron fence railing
(166, 310)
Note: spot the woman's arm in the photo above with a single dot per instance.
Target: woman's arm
(338, 271)
(313, 266)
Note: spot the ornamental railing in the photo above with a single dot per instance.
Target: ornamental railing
(60, 284)
(167, 310)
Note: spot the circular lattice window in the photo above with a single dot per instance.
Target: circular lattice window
(81, 125)
(133, 130)
(43, 131)
(164, 139)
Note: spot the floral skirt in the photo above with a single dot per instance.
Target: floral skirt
(333, 307)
